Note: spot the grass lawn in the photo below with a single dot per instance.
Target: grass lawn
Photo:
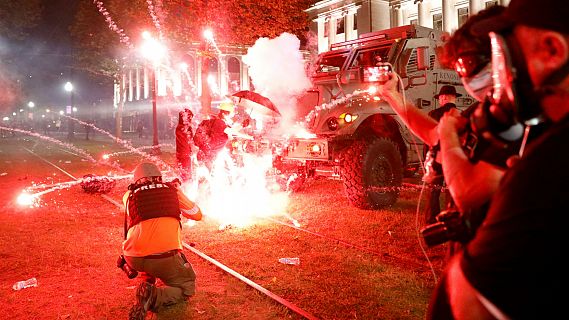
(354, 264)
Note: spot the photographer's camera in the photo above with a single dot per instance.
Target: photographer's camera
(450, 226)
(121, 264)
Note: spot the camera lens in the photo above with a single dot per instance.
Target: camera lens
(435, 234)
(130, 273)
(120, 262)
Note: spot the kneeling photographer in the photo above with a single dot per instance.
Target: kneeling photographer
(153, 241)
(511, 268)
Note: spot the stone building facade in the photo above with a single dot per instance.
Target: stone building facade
(340, 20)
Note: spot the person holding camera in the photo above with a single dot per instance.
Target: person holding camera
(470, 55)
(153, 240)
(512, 268)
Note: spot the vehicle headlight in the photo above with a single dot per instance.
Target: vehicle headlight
(348, 117)
(315, 149)
(332, 124)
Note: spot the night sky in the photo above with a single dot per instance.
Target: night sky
(44, 62)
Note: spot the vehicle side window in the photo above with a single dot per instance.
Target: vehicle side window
(332, 63)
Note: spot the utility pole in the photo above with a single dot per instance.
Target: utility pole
(69, 110)
(155, 144)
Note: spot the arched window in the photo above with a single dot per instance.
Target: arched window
(187, 67)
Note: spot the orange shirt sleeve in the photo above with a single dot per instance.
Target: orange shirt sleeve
(189, 209)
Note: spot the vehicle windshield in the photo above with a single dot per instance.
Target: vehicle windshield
(331, 62)
(370, 57)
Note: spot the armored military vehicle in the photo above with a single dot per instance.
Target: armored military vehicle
(357, 137)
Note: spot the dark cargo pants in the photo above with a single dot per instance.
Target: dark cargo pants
(178, 277)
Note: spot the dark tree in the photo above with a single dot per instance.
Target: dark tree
(181, 22)
(17, 17)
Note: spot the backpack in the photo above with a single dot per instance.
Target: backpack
(210, 135)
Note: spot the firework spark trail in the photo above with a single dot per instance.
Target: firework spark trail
(218, 55)
(50, 139)
(193, 87)
(78, 152)
(326, 106)
(125, 144)
(112, 25)
(59, 186)
(63, 185)
(114, 154)
(191, 82)
(152, 10)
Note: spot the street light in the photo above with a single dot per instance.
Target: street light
(153, 50)
(31, 105)
(70, 124)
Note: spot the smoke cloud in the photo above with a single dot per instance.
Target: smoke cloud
(278, 72)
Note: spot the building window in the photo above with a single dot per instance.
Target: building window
(340, 25)
(188, 75)
(489, 4)
(438, 21)
(355, 21)
(414, 22)
(462, 16)
(327, 28)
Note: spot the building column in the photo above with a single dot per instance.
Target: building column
(145, 82)
(137, 83)
(322, 38)
(130, 89)
(244, 76)
(449, 16)
(422, 14)
(397, 15)
(332, 30)
(475, 6)
(223, 75)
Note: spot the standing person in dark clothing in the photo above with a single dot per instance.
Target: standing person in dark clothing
(153, 240)
(447, 100)
(434, 177)
(512, 268)
(140, 128)
(183, 148)
(88, 128)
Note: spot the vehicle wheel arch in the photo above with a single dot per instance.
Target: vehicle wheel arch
(382, 126)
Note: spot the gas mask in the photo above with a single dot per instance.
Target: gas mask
(500, 123)
(480, 84)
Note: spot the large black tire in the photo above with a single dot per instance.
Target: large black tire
(372, 172)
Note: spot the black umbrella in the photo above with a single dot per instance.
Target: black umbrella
(253, 101)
